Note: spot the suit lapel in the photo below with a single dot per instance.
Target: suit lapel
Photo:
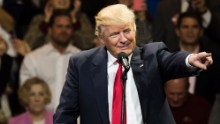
(98, 73)
(140, 78)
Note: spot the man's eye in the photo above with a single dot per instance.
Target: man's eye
(114, 35)
(127, 31)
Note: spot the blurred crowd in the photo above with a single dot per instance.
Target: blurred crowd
(37, 38)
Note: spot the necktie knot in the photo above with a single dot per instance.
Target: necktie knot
(118, 61)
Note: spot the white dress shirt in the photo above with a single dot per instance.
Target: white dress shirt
(50, 65)
(133, 108)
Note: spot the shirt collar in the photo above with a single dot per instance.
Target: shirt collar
(50, 48)
(112, 60)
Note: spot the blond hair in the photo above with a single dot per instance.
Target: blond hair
(24, 91)
(117, 14)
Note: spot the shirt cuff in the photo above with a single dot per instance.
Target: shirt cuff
(187, 63)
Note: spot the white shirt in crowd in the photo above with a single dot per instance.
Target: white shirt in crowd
(51, 66)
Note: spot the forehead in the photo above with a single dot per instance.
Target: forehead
(36, 87)
(61, 19)
(173, 86)
(115, 28)
(189, 20)
(61, 2)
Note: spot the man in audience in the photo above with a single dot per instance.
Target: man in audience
(189, 29)
(168, 12)
(50, 61)
(186, 108)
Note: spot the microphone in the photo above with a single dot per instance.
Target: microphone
(123, 58)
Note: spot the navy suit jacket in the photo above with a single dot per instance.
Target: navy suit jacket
(85, 92)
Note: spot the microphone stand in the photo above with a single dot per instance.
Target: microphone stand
(123, 78)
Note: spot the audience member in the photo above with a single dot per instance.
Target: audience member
(168, 12)
(186, 108)
(50, 61)
(82, 35)
(34, 94)
(190, 32)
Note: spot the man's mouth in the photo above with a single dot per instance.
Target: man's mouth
(124, 46)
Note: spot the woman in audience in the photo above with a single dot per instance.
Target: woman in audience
(34, 95)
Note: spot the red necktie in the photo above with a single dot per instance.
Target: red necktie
(117, 98)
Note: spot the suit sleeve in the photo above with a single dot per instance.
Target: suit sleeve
(68, 109)
(173, 65)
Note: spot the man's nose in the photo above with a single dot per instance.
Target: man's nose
(122, 37)
(175, 98)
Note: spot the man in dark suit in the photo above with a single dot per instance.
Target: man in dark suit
(89, 90)
(189, 29)
(167, 16)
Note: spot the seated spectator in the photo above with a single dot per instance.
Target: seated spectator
(83, 32)
(34, 95)
(186, 108)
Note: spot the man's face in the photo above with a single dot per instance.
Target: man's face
(176, 93)
(119, 39)
(189, 31)
(61, 30)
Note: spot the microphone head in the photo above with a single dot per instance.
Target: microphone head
(122, 55)
(123, 58)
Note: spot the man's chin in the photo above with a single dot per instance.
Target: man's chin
(128, 52)
(175, 105)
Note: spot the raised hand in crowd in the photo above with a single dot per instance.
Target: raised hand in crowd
(20, 47)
